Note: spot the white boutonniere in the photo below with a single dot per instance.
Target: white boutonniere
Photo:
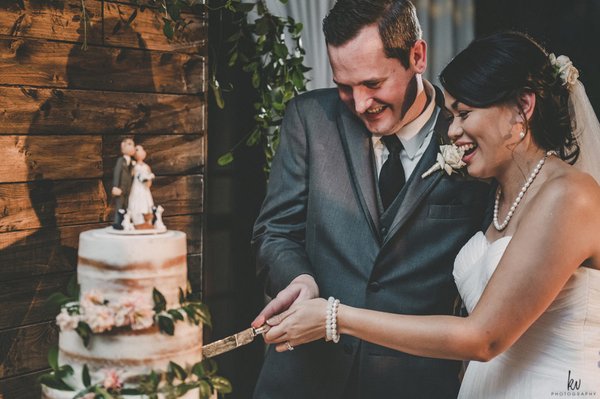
(449, 160)
(564, 69)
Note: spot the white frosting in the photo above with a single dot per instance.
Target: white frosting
(117, 265)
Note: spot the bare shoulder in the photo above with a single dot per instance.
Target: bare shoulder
(570, 191)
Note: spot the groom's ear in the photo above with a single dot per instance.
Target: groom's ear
(526, 104)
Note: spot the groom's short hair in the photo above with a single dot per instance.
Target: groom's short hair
(397, 21)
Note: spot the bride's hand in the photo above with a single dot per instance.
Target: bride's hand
(301, 323)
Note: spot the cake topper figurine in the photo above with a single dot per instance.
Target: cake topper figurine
(141, 204)
(122, 181)
(133, 199)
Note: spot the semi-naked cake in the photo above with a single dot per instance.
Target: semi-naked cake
(112, 338)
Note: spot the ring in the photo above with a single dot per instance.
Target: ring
(289, 347)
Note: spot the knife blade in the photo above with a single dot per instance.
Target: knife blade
(233, 341)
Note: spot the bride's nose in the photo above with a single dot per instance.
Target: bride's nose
(455, 131)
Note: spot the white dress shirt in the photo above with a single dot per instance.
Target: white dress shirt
(414, 136)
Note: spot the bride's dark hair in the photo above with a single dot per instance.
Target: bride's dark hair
(497, 69)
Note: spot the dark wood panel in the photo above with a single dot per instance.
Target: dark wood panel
(146, 31)
(49, 203)
(26, 158)
(179, 195)
(61, 203)
(55, 64)
(62, 112)
(40, 251)
(195, 273)
(21, 387)
(167, 154)
(25, 349)
(27, 299)
(56, 19)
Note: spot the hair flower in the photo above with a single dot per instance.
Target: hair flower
(449, 160)
(564, 69)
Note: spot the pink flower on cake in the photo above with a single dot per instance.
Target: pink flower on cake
(143, 318)
(134, 311)
(66, 321)
(99, 318)
(112, 380)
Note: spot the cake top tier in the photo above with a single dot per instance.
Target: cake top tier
(115, 250)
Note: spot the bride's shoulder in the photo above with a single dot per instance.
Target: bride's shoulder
(572, 188)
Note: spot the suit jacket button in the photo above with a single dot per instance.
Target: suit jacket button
(374, 286)
(384, 231)
(347, 349)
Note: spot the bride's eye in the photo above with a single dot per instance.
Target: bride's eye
(463, 114)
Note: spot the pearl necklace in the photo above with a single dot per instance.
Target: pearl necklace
(517, 200)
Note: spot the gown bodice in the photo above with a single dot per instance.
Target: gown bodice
(559, 349)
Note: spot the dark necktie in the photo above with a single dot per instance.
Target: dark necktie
(391, 177)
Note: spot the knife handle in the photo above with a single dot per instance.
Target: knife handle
(261, 330)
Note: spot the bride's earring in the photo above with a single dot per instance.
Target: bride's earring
(522, 135)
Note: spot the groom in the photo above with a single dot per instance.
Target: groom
(348, 215)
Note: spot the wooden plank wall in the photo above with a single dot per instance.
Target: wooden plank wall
(63, 113)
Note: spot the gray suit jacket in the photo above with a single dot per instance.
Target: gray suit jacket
(321, 217)
(122, 178)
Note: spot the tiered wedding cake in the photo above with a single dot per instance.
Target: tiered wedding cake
(134, 329)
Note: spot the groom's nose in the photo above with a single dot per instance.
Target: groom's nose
(362, 100)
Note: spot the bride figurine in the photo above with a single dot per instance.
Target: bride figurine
(141, 204)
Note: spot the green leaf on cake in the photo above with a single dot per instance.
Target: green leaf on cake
(85, 376)
(85, 332)
(221, 384)
(205, 389)
(181, 296)
(175, 314)
(51, 381)
(166, 325)
(198, 370)
(56, 300)
(177, 371)
(160, 303)
(53, 358)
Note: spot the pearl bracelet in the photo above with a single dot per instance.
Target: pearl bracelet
(331, 333)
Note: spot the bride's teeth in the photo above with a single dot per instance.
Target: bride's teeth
(467, 147)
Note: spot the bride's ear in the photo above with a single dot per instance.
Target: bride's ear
(526, 106)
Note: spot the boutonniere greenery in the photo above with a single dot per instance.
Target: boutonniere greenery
(449, 160)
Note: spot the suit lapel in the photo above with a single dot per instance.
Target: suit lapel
(417, 188)
(357, 148)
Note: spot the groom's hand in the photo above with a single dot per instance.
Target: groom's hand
(302, 287)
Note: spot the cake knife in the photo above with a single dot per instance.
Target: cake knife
(232, 342)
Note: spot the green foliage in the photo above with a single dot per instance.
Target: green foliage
(277, 72)
(85, 332)
(55, 378)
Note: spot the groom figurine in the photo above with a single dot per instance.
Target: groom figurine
(122, 179)
(349, 215)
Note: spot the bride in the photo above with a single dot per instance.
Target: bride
(531, 281)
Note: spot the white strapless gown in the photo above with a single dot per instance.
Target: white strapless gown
(558, 356)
